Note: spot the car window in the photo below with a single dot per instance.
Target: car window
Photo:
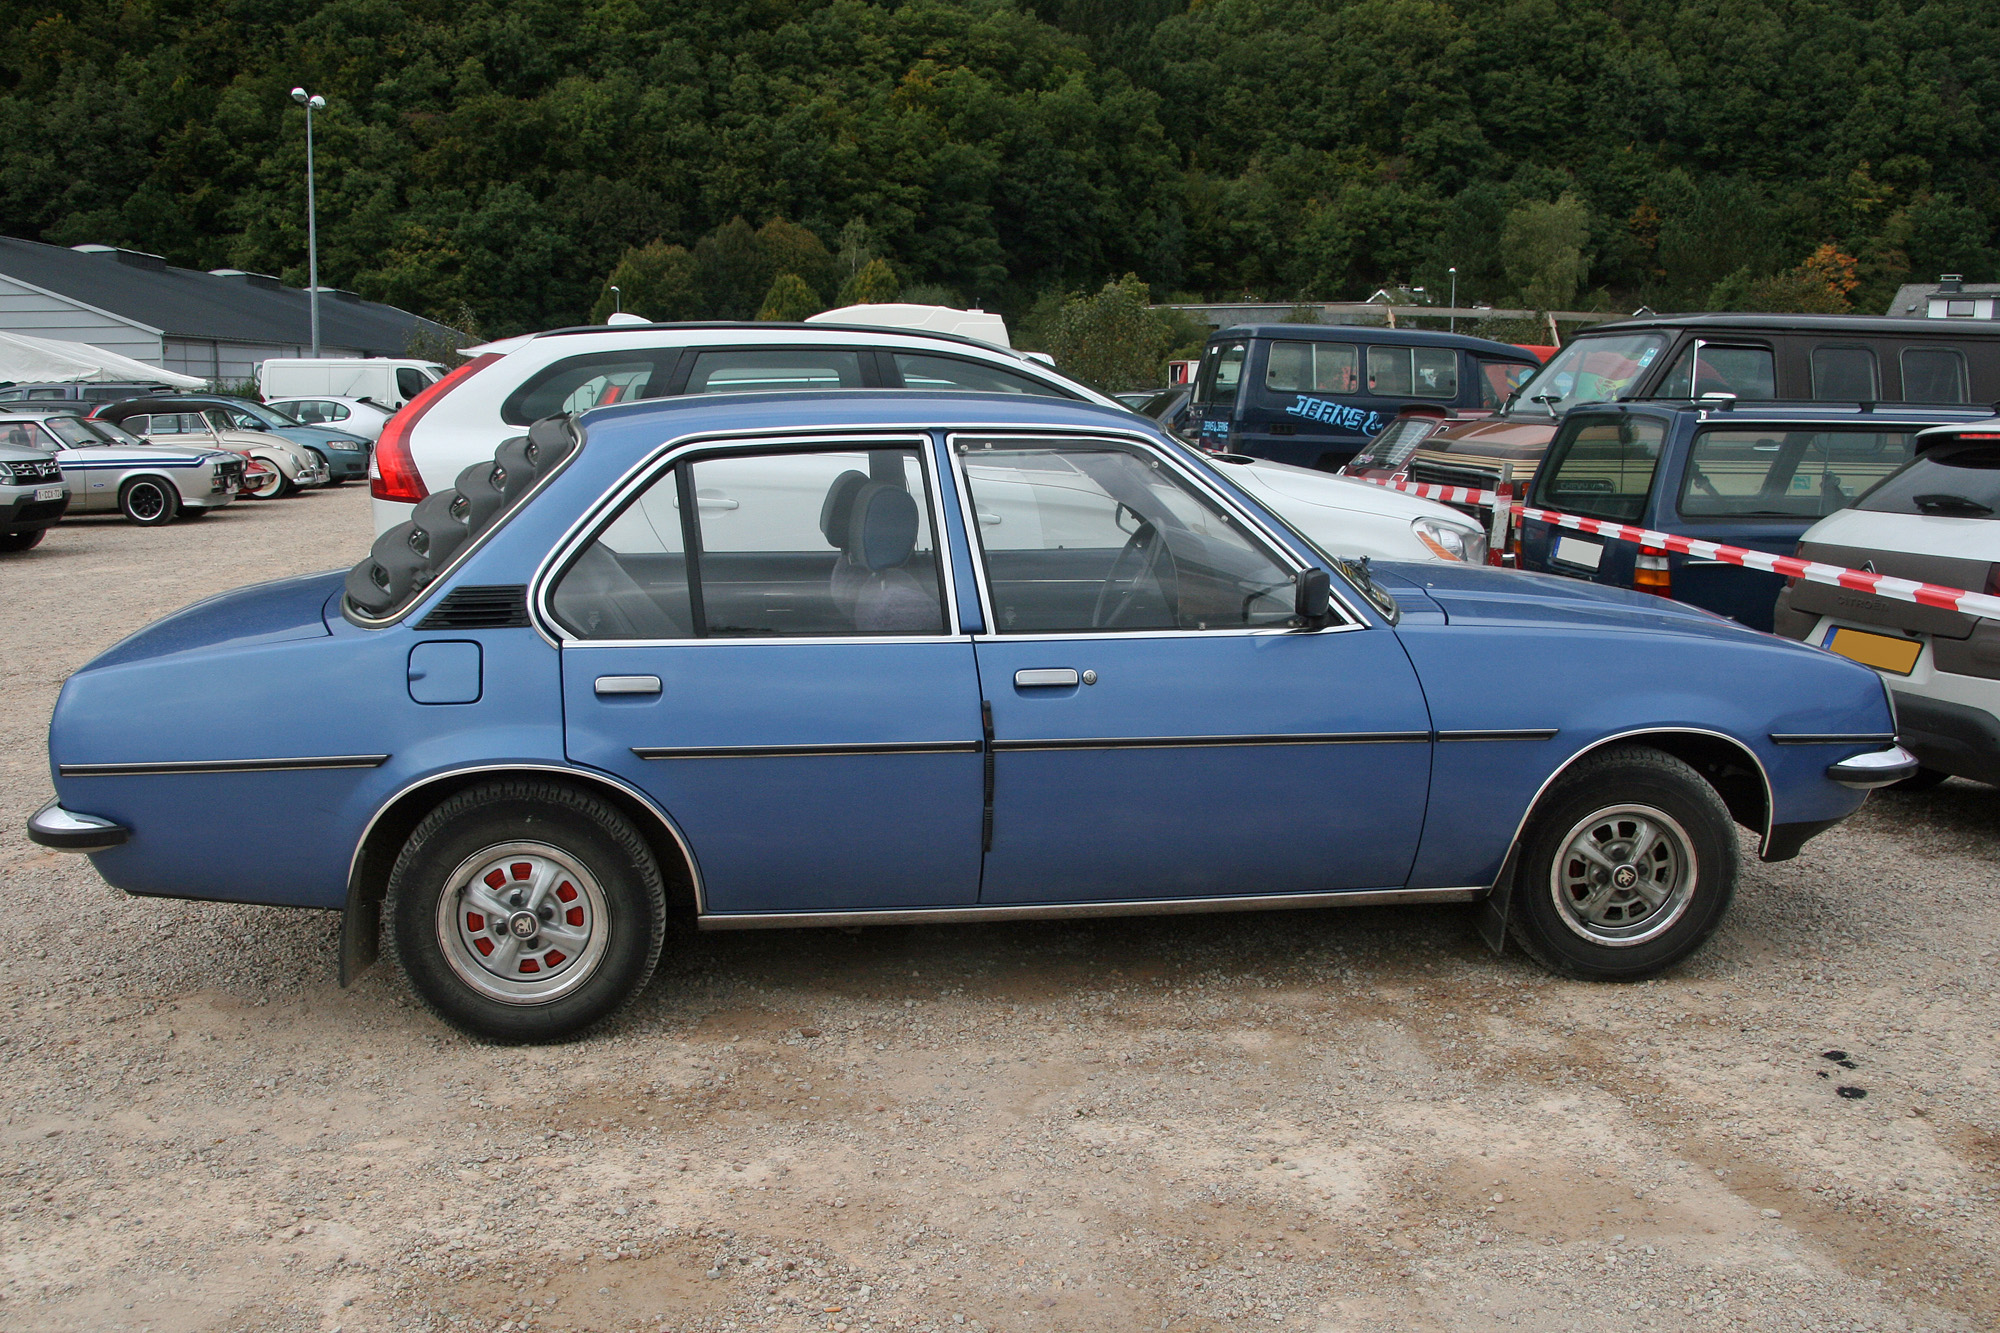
(1413, 372)
(20, 435)
(410, 381)
(1954, 480)
(220, 420)
(70, 431)
(1934, 375)
(1221, 374)
(747, 370)
(110, 433)
(1746, 372)
(953, 372)
(579, 383)
(1604, 468)
(788, 545)
(12, 395)
(1092, 536)
(1845, 375)
(1592, 370)
(1312, 367)
(310, 413)
(1499, 379)
(1770, 471)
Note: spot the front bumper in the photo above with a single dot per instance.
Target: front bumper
(68, 831)
(20, 511)
(1953, 738)
(1876, 768)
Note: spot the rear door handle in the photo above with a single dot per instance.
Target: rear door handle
(1044, 677)
(628, 684)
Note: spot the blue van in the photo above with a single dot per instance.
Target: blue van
(1313, 394)
(1755, 475)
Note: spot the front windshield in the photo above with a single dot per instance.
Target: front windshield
(261, 417)
(1591, 370)
(71, 431)
(112, 433)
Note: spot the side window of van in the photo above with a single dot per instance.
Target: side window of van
(1845, 374)
(1221, 375)
(410, 381)
(1706, 367)
(1934, 375)
(1312, 367)
(1413, 372)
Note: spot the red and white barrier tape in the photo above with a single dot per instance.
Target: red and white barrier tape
(1811, 571)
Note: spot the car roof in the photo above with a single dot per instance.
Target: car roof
(843, 409)
(755, 326)
(1766, 411)
(1369, 333)
(1795, 324)
(38, 412)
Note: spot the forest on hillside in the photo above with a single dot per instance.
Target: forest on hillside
(492, 162)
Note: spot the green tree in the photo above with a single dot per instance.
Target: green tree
(731, 271)
(1114, 337)
(790, 248)
(872, 284)
(1542, 246)
(655, 280)
(790, 298)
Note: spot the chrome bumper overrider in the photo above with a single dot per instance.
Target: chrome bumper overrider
(68, 831)
(1877, 768)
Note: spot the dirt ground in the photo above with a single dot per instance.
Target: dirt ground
(1333, 1121)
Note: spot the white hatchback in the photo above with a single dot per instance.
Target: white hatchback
(1936, 519)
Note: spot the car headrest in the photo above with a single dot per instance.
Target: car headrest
(882, 531)
(438, 527)
(838, 510)
(482, 495)
(393, 570)
(516, 465)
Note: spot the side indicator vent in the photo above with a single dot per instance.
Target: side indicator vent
(486, 606)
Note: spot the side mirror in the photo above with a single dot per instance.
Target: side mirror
(1312, 596)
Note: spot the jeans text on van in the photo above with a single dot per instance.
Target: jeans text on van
(1336, 414)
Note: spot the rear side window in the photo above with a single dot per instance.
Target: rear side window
(1499, 379)
(1312, 367)
(1746, 372)
(953, 372)
(1934, 375)
(1772, 472)
(1605, 469)
(1413, 372)
(579, 383)
(1948, 481)
(1845, 375)
(747, 370)
(1221, 375)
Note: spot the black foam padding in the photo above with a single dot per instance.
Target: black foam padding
(442, 530)
(390, 574)
(482, 498)
(518, 461)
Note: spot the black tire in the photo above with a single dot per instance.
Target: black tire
(21, 541)
(1595, 919)
(1925, 779)
(151, 502)
(592, 860)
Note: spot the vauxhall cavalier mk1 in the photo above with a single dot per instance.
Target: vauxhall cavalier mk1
(852, 658)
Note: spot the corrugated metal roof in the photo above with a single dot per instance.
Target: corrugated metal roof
(227, 304)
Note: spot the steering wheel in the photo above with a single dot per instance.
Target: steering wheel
(1145, 550)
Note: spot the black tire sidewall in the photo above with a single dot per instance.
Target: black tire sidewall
(170, 500)
(1629, 779)
(583, 828)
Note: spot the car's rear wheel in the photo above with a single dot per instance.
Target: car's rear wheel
(149, 501)
(525, 911)
(1628, 865)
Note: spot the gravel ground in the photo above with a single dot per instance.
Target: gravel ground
(1332, 1121)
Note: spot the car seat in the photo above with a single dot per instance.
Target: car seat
(882, 539)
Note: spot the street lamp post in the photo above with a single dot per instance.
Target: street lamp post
(1454, 300)
(311, 102)
(617, 300)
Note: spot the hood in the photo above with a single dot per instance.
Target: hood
(1483, 595)
(1491, 439)
(1283, 486)
(261, 613)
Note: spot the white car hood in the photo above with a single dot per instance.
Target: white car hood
(1913, 534)
(1285, 486)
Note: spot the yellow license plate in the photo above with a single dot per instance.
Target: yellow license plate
(1877, 650)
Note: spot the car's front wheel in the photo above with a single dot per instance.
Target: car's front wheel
(525, 911)
(149, 502)
(1628, 866)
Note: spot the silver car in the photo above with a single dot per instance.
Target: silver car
(108, 468)
(288, 467)
(33, 494)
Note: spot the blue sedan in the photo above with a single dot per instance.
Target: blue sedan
(843, 659)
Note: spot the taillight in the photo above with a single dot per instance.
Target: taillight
(392, 472)
(1651, 573)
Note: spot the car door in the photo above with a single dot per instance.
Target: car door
(758, 639)
(1159, 728)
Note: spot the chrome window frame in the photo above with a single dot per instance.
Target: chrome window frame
(1203, 486)
(580, 534)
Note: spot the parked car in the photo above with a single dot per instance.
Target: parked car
(1739, 474)
(362, 417)
(387, 380)
(595, 677)
(345, 455)
(1937, 521)
(79, 393)
(33, 495)
(286, 468)
(1349, 519)
(1314, 394)
(1169, 408)
(1790, 358)
(108, 469)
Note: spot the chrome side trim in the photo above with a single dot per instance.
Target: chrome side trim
(182, 766)
(582, 774)
(1284, 902)
(803, 751)
(1198, 742)
(1513, 734)
(1832, 738)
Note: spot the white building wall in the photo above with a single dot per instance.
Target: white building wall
(39, 314)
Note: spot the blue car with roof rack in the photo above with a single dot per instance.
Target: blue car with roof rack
(858, 658)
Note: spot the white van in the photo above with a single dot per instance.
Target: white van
(380, 379)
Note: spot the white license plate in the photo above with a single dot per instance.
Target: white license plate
(1574, 551)
(48, 493)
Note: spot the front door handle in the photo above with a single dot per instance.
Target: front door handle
(628, 684)
(1044, 678)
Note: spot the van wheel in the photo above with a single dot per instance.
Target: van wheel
(525, 911)
(149, 502)
(1627, 867)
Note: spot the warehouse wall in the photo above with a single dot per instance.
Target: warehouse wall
(37, 314)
